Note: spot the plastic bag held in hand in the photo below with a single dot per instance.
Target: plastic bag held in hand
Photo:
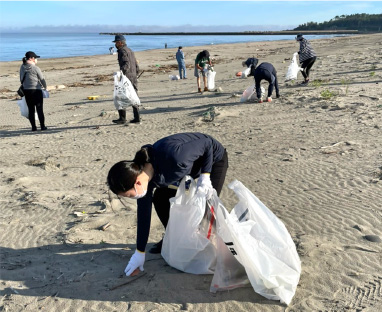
(204, 185)
(136, 261)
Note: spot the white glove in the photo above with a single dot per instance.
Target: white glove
(136, 261)
(204, 185)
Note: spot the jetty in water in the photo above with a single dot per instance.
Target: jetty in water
(242, 33)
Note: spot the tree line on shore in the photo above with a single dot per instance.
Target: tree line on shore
(362, 22)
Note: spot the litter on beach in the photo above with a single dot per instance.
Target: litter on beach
(93, 97)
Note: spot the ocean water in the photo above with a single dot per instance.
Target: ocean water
(57, 45)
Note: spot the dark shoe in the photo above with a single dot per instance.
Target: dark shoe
(119, 121)
(157, 248)
(34, 128)
(205, 89)
(135, 121)
(122, 117)
(199, 90)
(44, 128)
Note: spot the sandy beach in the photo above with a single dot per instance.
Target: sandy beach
(313, 157)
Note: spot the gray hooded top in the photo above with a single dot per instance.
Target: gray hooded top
(33, 77)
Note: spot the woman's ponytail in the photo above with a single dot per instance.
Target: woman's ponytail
(141, 158)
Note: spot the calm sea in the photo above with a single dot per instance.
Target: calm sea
(51, 45)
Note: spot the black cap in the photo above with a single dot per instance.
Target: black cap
(180, 47)
(30, 54)
(119, 38)
(299, 37)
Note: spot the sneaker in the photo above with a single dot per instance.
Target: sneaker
(199, 90)
(269, 99)
(119, 121)
(135, 121)
(34, 128)
(157, 248)
(260, 101)
(205, 89)
(44, 128)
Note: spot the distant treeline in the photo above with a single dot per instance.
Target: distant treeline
(361, 22)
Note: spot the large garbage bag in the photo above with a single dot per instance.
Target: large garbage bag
(124, 92)
(211, 79)
(249, 94)
(189, 242)
(24, 110)
(293, 69)
(260, 242)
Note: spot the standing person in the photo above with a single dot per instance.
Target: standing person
(160, 166)
(202, 59)
(266, 71)
(129, 66)
(181, 63)
(32, 80)
(307, 57)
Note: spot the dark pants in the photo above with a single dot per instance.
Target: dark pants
(306, 66)
(34, 101)
(162, 196)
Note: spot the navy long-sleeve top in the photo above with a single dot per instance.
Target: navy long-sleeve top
(172, 158)
(267, 72)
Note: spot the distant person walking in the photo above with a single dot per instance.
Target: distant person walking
(201, 61)
(181, 63)
(307, 57)
(111, 50)
(33, 81)
(129, 66)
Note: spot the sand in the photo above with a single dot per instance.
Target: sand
(313, 157)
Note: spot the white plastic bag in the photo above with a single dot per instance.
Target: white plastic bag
(211, 80)
(261, 243)
(23, 107)
(124, 92)
(250, 94)
(45, 94)
(24, 110)
(188, 244)
(245, 72)
(174, 77)
(293, 69)
(229, 273)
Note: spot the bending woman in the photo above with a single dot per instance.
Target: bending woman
(32, 80)
(156, 168)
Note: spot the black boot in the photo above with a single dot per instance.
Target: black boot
(122, 117)
(157, 248)
(137, 118)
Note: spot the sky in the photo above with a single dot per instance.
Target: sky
(161, 16)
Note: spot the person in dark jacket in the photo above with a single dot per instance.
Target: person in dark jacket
(129, 66)
(152, 175)
(266, 71)
(307, 57)
(251, 63)
(33, 81)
